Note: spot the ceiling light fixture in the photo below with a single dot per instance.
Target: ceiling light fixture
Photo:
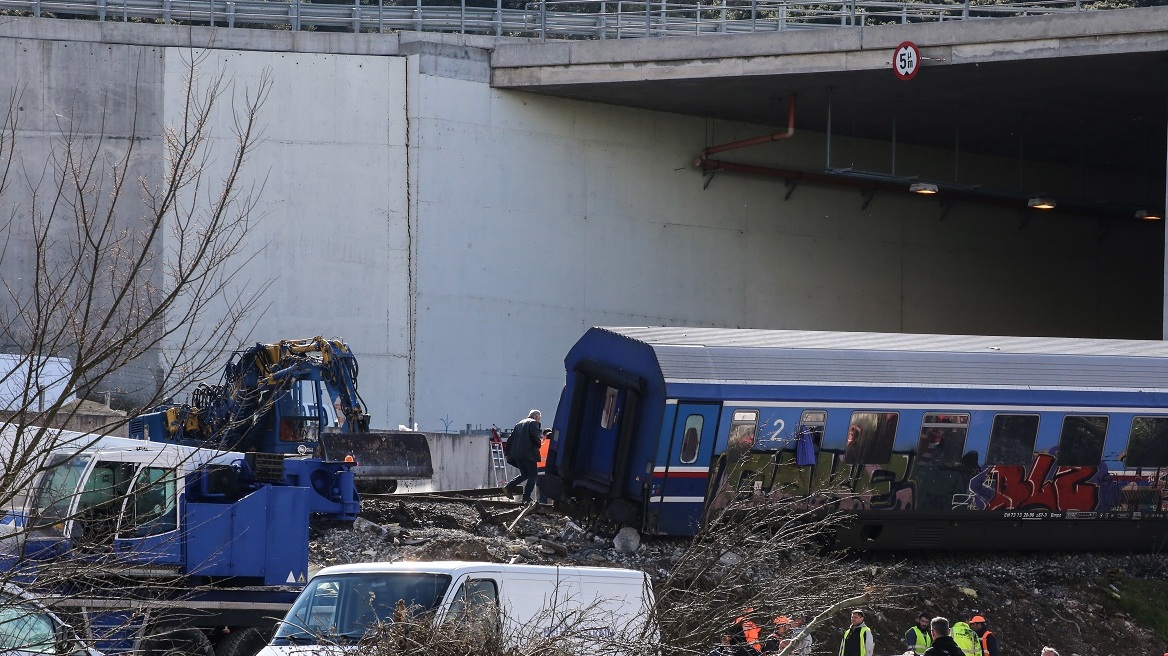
(1041, 203)
(923, 188)
(1148, 216)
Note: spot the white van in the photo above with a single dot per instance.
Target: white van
(340, 603)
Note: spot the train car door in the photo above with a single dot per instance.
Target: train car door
(680, 482)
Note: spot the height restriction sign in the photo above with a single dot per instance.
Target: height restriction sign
(906, 61)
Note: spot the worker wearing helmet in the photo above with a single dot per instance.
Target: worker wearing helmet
(779, 638)
(750, 629)
(989, 641)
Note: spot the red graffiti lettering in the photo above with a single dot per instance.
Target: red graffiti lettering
(1068, 489)
(1074, 492)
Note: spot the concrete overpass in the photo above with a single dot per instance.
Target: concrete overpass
(1087, 90)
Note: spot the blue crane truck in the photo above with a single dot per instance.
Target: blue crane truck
(160, 549)
(191, 536)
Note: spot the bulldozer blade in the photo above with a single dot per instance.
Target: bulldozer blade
(382, 456)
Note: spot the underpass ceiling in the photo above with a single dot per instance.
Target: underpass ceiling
(1107, 111)
(1101, 111)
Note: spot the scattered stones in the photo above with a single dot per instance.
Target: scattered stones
(554, 547)
(362, 524)
(627, 540)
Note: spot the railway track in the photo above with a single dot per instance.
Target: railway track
(491, 497)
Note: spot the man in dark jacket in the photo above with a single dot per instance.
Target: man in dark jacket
(943, 644)
(523, 454)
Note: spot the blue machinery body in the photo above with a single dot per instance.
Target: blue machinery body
(294, 397)
(178, 541)
(936, 441)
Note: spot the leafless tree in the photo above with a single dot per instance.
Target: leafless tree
(760, 556)
(120, 238)
(120, 263)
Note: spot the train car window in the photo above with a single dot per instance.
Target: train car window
(942, 438)
(608, 413)
(1081, 444)
(815, 421)
(1012, 440)
(743, 426)
(870, 438)
(692, 438)
(1147, 446)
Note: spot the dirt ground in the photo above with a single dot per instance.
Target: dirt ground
(1068, 601)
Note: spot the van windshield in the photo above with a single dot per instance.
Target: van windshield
(340, 608)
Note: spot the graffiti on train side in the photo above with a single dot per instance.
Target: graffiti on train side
(908, 482)
(1043, 486)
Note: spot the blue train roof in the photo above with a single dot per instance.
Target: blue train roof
(799, 357)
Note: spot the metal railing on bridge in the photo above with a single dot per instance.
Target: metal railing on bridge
(560, 19)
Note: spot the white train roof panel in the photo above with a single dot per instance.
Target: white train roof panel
(844, 358)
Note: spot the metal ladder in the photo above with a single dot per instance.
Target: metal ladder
(498, 463)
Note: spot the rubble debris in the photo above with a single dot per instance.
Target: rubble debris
(627, 540)
(524, 513)
(1030, 600)
(554, 547)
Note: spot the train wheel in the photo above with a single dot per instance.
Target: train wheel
(242, 642)
(173, 641)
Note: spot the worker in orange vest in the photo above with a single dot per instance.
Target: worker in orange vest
(989, 641)
(750, 630)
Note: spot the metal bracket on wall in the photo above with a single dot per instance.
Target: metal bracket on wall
(868, 195)
(945, 207)
(1104, 228)
(709, 178)
(791, 184)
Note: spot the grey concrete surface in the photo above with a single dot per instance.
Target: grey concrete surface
(953, 42)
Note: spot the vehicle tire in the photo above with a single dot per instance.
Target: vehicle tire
(173, 641)
(242, 642)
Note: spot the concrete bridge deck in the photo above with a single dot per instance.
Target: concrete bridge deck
(1071, 88)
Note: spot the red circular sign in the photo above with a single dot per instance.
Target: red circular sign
(906, 61)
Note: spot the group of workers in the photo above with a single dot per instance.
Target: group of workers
(935, 636)
(939, 637)
(751, 639)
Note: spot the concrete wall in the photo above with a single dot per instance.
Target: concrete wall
(462, 461)
(461, 238)
(88, 102)
(330, 240)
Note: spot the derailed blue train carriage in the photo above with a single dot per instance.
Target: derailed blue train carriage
(934, 441)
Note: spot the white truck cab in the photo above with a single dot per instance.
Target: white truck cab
(340, 603)
(27, 627)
